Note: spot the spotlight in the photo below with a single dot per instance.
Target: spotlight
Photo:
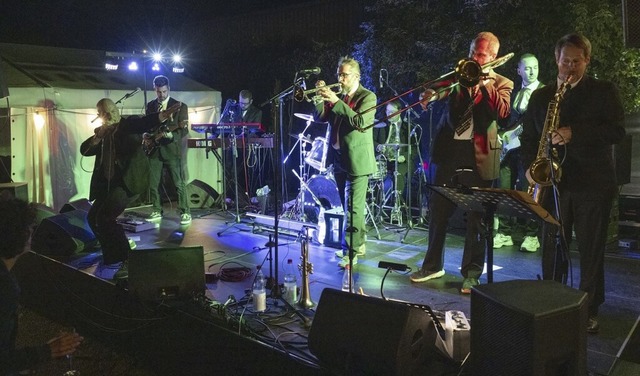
(111, 65)
(178, 68)
(155, 67)
(133, 65)
(157, 57)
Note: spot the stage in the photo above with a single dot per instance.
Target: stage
(218, 332)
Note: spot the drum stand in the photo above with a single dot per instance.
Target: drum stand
(396, 210)
(372, 209)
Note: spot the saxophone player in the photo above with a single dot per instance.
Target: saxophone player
(590, 120)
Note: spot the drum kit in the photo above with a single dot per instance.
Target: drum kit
(318, 189)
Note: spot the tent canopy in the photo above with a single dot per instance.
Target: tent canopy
(51, 102)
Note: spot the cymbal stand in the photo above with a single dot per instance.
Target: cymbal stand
(369, 214)
(297, 212)
(396, 210)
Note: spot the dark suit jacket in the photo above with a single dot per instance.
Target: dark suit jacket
(132, 165)
(593, 109)
(171, 148)
(357, 155)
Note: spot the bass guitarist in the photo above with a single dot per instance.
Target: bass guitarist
(511, 168)
(164, 148)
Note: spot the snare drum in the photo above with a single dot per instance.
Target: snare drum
(317, 156)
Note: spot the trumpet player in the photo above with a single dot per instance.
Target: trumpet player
(591, 121)
(351, 151)
(461, 156)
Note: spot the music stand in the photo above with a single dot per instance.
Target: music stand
(492, 201)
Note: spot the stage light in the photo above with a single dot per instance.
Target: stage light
(177, 59)
(133, 65)
(111, 65)
(38, 120)
(157, 57)
(155, 67)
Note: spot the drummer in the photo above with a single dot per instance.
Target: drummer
(392, 132)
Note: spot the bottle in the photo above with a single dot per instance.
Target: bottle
(259, 291)
(345, 279)
(290, 283)
(322, 226)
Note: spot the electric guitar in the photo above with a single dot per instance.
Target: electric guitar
(161, 136)
(510, 141)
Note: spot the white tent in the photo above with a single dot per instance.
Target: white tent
(51, 105)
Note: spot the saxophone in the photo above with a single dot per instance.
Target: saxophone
(545, 168)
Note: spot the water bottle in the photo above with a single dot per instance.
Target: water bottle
(259, 291)
(290, 283)
(346, 277)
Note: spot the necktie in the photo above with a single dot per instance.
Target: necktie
(160, 106)
(335, 128)
(466, 120)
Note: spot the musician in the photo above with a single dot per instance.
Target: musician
(591, 121)
(120, 174)
(17, 218)
(166, 151)
(394, 132)
(463, 156)
(243, 111)
(350, 151)
(511, 168)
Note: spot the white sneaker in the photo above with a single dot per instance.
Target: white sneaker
(530, 244)
(500, 240)
(185, 218)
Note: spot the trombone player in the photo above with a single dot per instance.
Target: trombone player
(350, 150)
(462, 155)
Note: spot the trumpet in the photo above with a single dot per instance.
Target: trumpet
(300, 94)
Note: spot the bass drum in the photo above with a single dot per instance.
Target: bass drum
(326, 191)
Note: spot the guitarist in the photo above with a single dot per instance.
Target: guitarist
(511, 167)
(164, 148)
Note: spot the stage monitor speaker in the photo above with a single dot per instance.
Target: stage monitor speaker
(81, 204)
(63, 234)
(201, 195)
(42, 212)
(163, 274)
(529, 328)
(631, 23)
(356, 334)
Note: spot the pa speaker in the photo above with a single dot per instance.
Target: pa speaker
(201, 195)
(166, 273)
(81, 204)
(63, 234)
(528, 328)
(356, 334)
(631, 23)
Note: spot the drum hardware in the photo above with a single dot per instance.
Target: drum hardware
(301, 137)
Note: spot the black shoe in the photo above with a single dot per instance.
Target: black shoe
(592, 325)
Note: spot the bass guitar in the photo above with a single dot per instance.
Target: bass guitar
(161, 136)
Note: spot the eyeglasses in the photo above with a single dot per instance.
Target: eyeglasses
(341, 75)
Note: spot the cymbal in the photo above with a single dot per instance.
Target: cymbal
(395, 145)
(301, 137)
(305, 117)
(380, 124)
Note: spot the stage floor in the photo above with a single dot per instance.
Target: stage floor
(230, 246)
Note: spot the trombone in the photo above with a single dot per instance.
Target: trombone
(468, 73)
(300, 94)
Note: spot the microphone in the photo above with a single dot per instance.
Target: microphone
(380, 80)
(315, 70)
(129, 95)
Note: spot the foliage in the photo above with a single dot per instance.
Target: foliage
(417, 40)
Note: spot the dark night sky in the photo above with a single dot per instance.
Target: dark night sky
(113, 25)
